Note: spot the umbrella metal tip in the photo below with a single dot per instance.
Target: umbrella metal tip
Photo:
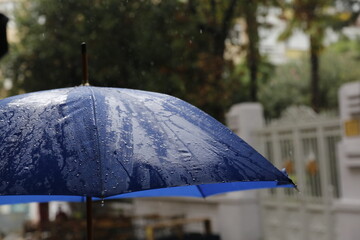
(83, 47)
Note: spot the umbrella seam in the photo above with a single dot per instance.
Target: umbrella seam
(201, 192)
(98, 143)
(175, 135)
(97, 138)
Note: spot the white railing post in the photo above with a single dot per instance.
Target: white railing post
(300, 180)
(348, 206)
(325, 181)
(244, 119)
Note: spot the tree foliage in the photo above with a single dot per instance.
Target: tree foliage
(173, 47)
(288, 86)
(313, 17)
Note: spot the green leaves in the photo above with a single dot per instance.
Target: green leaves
(174, 47)
(289, 84)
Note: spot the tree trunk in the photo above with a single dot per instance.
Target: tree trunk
(250, 11)
(218, 29)
(315, 77)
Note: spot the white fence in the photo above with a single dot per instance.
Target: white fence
(306, 145)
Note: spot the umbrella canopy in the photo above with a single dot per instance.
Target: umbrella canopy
(102, 142)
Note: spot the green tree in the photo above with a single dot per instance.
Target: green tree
(174, 47)
(213, 20)
(312, 17)
(288, 85)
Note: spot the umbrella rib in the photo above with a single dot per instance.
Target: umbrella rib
(97, 138)
(98, 142)
(122, 165)
(165, 125)
(201, 192)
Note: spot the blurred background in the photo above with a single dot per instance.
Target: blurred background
(271, 70)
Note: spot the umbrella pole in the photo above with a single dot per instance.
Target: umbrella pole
(85, 81)
(89, 226)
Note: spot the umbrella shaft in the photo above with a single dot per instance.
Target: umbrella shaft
(89, 218)
(84, 64)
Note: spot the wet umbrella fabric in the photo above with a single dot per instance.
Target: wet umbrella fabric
(69, 143)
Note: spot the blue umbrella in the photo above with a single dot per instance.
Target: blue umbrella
(92, 142)
(101, 142)
(108, 142)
